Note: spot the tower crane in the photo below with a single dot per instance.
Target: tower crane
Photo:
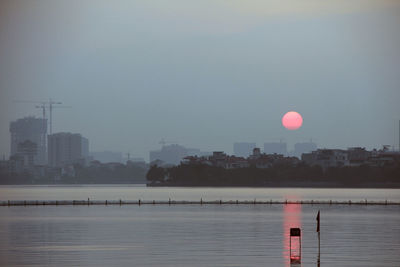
(46, 105)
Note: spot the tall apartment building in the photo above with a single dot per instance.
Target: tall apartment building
(29, 129)
(67, 148)
(243, 149)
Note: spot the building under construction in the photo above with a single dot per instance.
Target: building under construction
(29, 129)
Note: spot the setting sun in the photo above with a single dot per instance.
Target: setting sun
(292, 120)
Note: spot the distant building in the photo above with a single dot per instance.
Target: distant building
(26, 153)
(256, 153)
(205, 154)
(234, 162)
(358, 155)
(218, 158)
(106, 156)
(383, 157)
(85, 147)
(193, 152)
(173, 154)
(275, 148)
(258, 160)
(170, 154)
(135, 160)
(67, 148)
(353, 156)
(307, 147)
(326, 158)
(156, 162)
(30, 129)
(243, 149)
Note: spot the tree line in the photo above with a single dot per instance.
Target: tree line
(280, 175)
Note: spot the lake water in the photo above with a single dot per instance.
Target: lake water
(194, 235)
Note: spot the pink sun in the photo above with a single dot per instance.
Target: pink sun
(292, 120)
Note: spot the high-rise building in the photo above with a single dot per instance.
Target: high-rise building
(30, 129)
(243, 149)
(307, 147)
(85, 147)
(67, 148)
(26, 153)
(275, 148)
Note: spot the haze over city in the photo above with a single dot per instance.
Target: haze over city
(204, 74)
(199, 133)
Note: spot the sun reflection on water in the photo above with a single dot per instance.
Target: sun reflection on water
(291, 219)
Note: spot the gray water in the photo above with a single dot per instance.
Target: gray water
(194, 235)
(135, 192)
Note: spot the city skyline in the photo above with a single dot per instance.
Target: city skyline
(30, 143)
(291, 150)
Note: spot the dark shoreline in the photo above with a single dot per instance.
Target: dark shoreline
(394, 186)
(333, 186)
(277, 176)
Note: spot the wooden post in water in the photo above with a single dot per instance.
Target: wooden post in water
(319, 250)
(319, 238)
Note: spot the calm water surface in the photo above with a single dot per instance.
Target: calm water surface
(194, 235)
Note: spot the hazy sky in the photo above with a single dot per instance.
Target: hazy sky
(204, 73)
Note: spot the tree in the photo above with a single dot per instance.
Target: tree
(155, 174)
